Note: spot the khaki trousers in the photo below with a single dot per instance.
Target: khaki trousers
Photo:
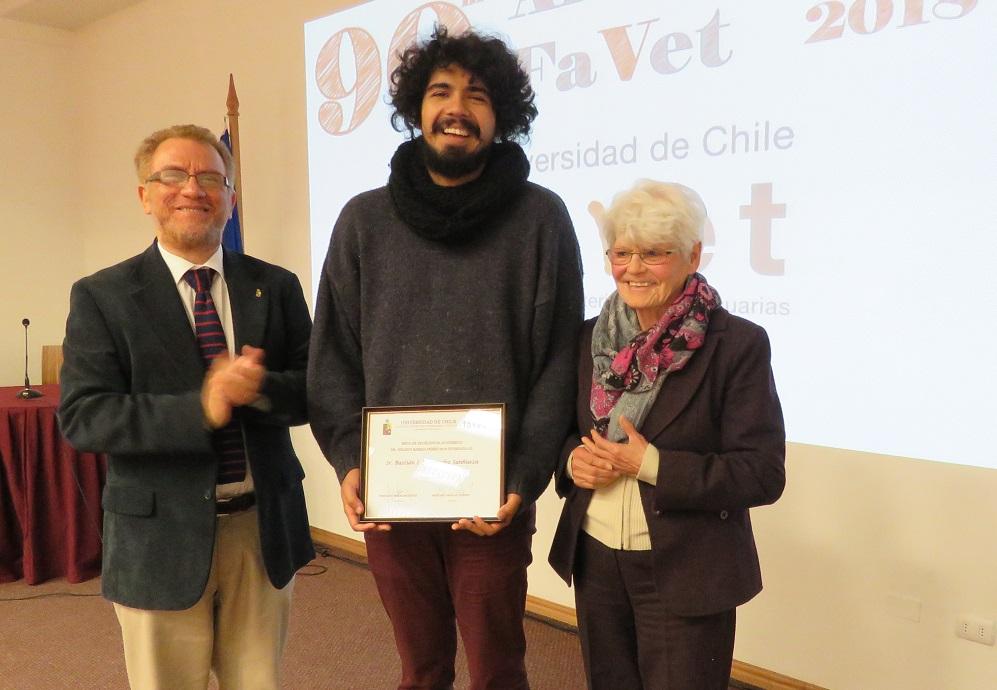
(237, 629)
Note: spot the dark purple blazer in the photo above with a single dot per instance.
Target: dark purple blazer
(718, 427)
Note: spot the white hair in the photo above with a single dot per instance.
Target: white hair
(653, 213)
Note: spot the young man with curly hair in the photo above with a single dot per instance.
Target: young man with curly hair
(459, 282)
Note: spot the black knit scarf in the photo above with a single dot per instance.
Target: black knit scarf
(455, 214)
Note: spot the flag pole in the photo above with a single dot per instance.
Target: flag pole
(233, 129)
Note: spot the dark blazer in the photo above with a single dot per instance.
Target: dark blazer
(717, 425)
(131, 384)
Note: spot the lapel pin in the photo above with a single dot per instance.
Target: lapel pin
(259, 293)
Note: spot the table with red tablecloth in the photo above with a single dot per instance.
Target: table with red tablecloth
(50, 515)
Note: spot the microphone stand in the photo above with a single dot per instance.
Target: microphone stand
(27, 393)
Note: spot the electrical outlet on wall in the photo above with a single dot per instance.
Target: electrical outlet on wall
(976, 629)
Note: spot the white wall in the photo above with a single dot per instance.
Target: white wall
(851, 530)
(40, 241)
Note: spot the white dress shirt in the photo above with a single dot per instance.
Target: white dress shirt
(219, 294)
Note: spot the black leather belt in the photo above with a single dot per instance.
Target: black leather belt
(236, 504)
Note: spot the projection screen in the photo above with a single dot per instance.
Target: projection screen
(845, 152)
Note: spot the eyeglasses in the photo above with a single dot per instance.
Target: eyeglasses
(651, 257)
(178, 178)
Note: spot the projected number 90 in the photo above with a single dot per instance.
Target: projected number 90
(358, 100)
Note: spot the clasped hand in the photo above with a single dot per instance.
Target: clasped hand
(230, 383)
(599, 462)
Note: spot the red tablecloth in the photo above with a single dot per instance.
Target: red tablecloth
(50, 515)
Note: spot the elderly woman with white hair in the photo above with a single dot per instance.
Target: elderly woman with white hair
(679, 432)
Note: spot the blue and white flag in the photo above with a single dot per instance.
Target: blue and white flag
(232, 237)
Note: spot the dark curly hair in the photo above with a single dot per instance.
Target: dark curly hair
(487, 58)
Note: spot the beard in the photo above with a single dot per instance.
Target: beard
(453, 162)
(193, 238)
(193, 235)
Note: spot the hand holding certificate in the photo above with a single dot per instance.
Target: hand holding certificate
(353, 507)
(434, 464)
(488, 529)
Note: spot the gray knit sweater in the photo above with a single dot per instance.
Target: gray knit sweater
(403, 320)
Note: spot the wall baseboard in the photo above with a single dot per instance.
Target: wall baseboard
(758, 677)
(552, 612)
(565, 616)
(337, 542)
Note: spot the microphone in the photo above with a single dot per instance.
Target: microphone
(28, 393)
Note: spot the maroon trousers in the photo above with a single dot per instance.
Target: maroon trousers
(629, 640)
(429, 577)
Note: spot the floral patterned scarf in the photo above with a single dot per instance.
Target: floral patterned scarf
(629, 365)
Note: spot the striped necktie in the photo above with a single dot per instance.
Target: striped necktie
(227, 441)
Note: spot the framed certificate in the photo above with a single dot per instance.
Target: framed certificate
(432, 463)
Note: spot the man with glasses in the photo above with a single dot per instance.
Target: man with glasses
(186, 365)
